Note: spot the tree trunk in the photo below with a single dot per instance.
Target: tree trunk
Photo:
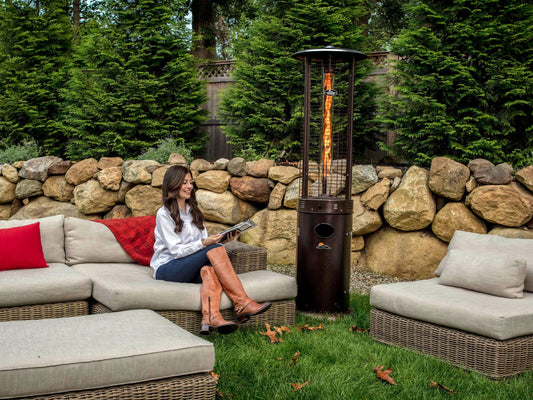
(203, 26)
(76, 19)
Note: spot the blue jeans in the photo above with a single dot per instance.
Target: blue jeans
(185, 269)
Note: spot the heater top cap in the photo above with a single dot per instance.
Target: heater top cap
(336, 54)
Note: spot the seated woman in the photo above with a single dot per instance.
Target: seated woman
(183, 252)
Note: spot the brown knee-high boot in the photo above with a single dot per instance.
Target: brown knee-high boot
(210, 292)
(244, 306)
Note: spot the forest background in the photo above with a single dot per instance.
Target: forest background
(85, 78)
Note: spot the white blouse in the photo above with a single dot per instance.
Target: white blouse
(170, 245)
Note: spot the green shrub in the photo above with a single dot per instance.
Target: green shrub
(20, 152)
(165, 149)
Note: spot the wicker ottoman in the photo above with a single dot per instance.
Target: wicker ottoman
(131, 354)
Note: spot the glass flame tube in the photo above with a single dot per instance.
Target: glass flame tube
(327, 131)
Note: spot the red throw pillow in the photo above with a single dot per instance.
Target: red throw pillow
(21, 248)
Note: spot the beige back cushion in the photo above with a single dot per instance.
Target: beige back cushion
(91, 242)
(52, 237)
(489, 244)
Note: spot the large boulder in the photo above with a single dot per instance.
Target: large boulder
(411, 207)
(292, 194)
(364, 221)
(406, 255)
(91, 198)
(158, 175)
(177, 159)
(505, 205)
(524, 176)
(57, 188)
(28, 188)
(237, 166)
(201, 165)
(376, 195)
(447, 178)
(143, 200)
(500, 174)
(110, 178)
(363, 177)
(37, 168)
(216, 181)
(276, 196)
(283, 174)
(119, 211)
(42, 207)
(275, 231)
(60, 167)
(136, 171)
(456, 217)
(110, 162)
(259, 168)
(224, 207)
(251, 189)
(10, 173)
(514, 233)
(82, 171)
(479, 163)
(7, 191)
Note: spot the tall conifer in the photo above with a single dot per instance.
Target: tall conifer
(264, 106)
(35, 44)
(134, 83)
(465, 82)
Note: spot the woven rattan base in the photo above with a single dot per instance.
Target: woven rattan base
(496, 359)
(41, 311)
(195, 387)
(281, 312)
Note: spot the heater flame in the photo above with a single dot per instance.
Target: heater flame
(326, 134)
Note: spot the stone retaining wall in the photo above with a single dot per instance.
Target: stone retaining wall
(403, 218)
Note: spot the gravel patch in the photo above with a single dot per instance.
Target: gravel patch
(360, 282)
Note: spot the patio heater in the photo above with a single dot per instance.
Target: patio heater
(325, 206)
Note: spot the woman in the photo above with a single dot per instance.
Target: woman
(184, 252)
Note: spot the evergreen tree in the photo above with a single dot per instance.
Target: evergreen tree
(465, 82)
(35, 44)
(134, 83)
(264, 106)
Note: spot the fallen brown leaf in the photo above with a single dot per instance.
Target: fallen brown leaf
(281, 329)
(271, 334)
(306, 327)
(437, 385)
(384, 374)
(216, 376)
(295, 358)
(356, 329)
(298, 386)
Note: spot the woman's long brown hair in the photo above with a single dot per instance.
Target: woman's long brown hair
(172, 181)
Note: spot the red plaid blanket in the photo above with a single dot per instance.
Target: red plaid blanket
(135, 235)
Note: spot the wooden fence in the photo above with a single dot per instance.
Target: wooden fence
(217, 75)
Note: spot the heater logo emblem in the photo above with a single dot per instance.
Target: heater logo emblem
(331, 92)
(322, 246)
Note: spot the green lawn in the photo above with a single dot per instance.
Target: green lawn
(338, 364)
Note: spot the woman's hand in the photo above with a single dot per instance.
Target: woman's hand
(213, 239)
(232, 236)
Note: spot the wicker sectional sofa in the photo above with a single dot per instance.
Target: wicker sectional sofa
(87, 326)
(478, 314)
(89, 272)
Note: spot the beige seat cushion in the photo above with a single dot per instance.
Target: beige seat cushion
(483, 314)
(55, 284)
(94, 351)
(130, 286)
(52, 236)
(91, 242)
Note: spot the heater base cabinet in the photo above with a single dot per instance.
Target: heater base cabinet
(323, 255)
